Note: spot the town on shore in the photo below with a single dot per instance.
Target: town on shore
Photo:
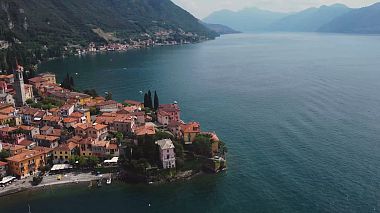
(49, 129)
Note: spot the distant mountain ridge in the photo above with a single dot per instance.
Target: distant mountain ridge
(337, 18)
(309, 20)
(246, 20)
(221, 29)
(364, 20)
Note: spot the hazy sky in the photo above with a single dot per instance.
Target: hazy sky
(201, 8)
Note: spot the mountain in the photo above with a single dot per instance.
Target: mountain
(221, 29)
(246, 20)
(309, 20)
(363, 21)
(47, 26)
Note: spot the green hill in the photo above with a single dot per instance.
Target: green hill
(45, 27)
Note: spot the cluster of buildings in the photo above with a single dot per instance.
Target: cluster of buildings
(35, 137)
(159, 38)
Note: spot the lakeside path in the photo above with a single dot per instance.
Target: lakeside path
(51, 180)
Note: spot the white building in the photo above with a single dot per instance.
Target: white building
(167, 153)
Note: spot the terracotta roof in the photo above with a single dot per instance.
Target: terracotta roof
(86, 141)
(67, 106)
(105, 103)
(95, 126)
(145, 130)
(192, 127)
(76, 115)
(101, 143)
(28, 111)
(52, 118)
(169, 107)
(26, 128)
(27, 154)
(42, 149)
(46, 128)
(3, 117)
(8, 110)
(56, 132)
(26, 143)
(74, 139)
(46, 138)
(70, 120)
(66, 147)
(16, 147)
(132, 102)
(8, 129)
(138, 113)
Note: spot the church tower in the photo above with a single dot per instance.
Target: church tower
(18, 86)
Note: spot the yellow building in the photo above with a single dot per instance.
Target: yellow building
(190, 131)
(26, 163)
(63, 153)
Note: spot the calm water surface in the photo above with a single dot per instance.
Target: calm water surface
(299, 112)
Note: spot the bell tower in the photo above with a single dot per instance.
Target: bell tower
(19, 86)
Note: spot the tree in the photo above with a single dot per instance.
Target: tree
(202, 145)
(92, 161)
(179, 150)
(150, 104)
(156, 101)
(146, 100)
(119, 136)
(4, 154)
(68, 82)
(91, 92)
(108, 96)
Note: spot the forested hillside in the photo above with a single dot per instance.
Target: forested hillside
(37, 29)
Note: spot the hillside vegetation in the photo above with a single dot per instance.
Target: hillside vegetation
(37, 29)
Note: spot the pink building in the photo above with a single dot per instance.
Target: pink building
(167, 153)
(167, 113)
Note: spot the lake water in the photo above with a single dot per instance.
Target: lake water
(299, 113)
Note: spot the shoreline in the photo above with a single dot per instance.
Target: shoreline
(184, 176)
(51, 181)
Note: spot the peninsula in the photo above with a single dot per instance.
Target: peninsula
(50, 131)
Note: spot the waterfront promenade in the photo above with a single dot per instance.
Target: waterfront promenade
(51, 180)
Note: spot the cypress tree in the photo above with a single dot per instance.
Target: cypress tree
(150, 104)
(156, 101)
(146, 100)
(71, 82)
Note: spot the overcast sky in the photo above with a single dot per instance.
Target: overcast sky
(202, 8)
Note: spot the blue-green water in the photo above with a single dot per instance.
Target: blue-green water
(299, 113)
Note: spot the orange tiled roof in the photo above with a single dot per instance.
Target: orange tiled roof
(8, 129)
(46, 138)
(26, 143)
(42, 149)
(27, 154)
(76, 115)
(145, 130)
(70, 120)
(52, 118)
(95, 126)
(192, 127)
(66, 147)
(26, 128)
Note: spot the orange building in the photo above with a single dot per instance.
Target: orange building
(26, 163)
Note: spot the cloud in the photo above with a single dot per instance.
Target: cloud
(201, 8)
